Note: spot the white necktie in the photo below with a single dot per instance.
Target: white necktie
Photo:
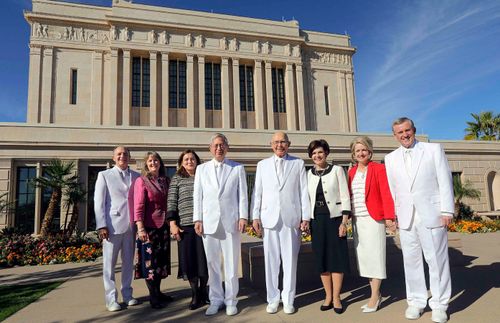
(219, 173)
(279, 170)
(408, 161)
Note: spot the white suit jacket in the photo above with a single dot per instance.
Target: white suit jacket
(428, 189)
(289, 199)
(111, 198)
(227, 202)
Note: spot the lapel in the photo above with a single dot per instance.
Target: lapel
(369, 176)
(416, 158)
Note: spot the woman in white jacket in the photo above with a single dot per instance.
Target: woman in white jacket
(331, 208)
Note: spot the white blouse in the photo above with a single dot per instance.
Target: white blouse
(358, 194)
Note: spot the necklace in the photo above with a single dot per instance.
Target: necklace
(320, 172)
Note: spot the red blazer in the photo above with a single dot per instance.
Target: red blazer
(150, 202)
(378, 196)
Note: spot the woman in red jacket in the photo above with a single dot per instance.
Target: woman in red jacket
(150, 207)
(373, 210)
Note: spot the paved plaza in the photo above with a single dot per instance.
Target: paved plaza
(476, 291)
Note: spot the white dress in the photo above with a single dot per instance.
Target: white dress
(369, 235)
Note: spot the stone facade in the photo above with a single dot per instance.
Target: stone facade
(83, 92)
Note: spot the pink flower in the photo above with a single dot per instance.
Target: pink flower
(148, 250)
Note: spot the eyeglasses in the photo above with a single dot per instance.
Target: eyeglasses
(221, 146)
(278, 142)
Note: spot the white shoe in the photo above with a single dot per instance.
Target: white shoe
(212, 310)
(272, 307)
(413, 313)
(439, 316)
(113, 306)
(288, 309)
(132, 302)
(367, 309)
(231, 310)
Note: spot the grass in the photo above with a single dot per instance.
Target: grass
(15, 297)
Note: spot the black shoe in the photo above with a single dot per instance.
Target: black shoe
(195, 304)
(157, 306)
(338, 310)
(326, 307)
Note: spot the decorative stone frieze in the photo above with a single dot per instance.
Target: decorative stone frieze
(234, 45)
(200, 41)
(331, 58)
(223, 43)
(125, 34)
(189, 40)
(164, 38)
(257, 47)
(152, 37)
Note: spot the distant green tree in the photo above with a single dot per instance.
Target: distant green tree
(58, 176)
(463, 190)
(486, 126)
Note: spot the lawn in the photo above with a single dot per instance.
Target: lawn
(15, 297)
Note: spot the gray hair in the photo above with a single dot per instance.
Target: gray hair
(125, 148)
(402, 120)
(219, 135)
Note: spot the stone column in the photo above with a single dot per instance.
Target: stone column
(351, 102)
(127, 75)
(33, 115)
(164, 90)
(343, 124)
(190, 91)
(236, 92)
(290, 98)
(96, 91)
(201, 91)
(153, 81)
(226, 105)
(258, 86)
(269, 96)
(113, 87)
(46, 108)
(300, 97)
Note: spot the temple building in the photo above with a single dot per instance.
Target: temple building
(155, 78)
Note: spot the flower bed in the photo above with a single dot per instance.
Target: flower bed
(472, 226)
(24, 249)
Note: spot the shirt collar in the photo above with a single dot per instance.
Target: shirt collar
(122, 171)
(276, 158)
(218, 163)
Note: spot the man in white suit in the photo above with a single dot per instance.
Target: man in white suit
(281, 208)
(421, 184)
(220, 214)
(113, 223)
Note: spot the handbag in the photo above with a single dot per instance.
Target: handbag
(144, 256)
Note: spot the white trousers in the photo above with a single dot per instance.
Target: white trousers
(281, 242)
(227, 245)
(123, 243)
(433, 242)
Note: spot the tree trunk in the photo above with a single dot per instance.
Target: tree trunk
(74, 220)
(49, 214)
(457, 210)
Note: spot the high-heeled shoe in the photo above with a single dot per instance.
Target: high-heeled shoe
(367, 309)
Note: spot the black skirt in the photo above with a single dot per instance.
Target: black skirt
(192, 258)
(153, 257)
(329, 249)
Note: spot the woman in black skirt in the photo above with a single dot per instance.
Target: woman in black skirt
(331, 207)
(192, 259)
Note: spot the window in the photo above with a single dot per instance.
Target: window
(177, 84)
(73, 82)
(278, 90)
(140, 82)
(25, 199)
(212, 86)
(93, 171)
(327, 102)
(246, 88)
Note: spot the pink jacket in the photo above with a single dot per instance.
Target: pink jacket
(150, 201)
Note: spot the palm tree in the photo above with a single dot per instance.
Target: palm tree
(58, 176)
(486, 126)
(76, 195)
(5, 205)
(463, 190)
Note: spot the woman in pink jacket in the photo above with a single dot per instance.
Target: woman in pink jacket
(153, 243)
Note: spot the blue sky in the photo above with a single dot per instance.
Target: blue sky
(434, 61)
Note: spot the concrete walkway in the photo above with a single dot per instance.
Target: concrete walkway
(476, 294)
